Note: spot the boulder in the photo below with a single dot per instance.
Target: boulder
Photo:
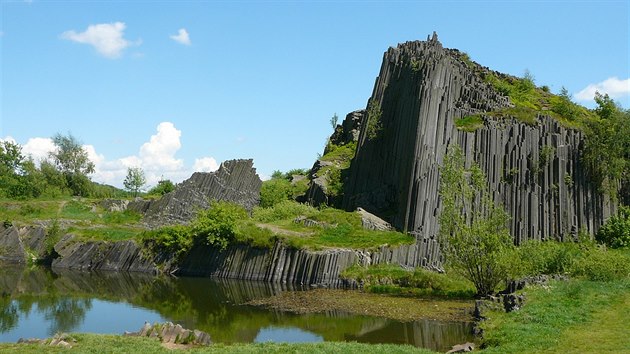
(370, 221)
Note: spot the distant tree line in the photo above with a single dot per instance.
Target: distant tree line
(64, 172)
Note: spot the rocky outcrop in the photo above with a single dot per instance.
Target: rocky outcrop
(321, 173)
(349, 130)
(235, 181)
(421, 89)
(282, 264)
(102, 255)
(169, 333)
(21, 244)
(370, 221)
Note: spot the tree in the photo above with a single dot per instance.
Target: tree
(135, 180)
(607, 151)
(164, 186)
(334, 120)
(73, 162)
(473, 232)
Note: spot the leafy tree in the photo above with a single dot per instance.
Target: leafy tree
(11, 157)
(164, 186)
(333, 121)
(73, 162)
(473, 231)
(607, 152)
(135, 180)
(374, 124)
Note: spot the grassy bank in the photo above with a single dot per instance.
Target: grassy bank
(91, 343)
(577, 316)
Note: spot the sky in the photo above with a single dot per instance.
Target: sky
(175, 87)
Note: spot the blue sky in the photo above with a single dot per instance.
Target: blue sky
(175, 87)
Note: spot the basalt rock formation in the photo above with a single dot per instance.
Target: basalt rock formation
(422, 88)
(235, 181)
(320, 175)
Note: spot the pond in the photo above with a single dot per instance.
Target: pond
(38, 302)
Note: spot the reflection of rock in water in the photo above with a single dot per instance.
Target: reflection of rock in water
(434, 335)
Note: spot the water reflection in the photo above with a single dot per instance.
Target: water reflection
(44, 301)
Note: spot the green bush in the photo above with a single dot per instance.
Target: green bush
(599, 264)
(175, 239)
(535, 258)
(216, 226)
(615, 233)
(286, 209)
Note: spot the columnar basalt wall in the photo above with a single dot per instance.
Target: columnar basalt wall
(235, 181)
(421, 89)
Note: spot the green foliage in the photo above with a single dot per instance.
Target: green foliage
(333, 121)
(53, 235)
(559, 311)
(615, 233)
(121, 217)
(473, 232)
(274, 191)
(73, 162)
(600, 264)
(216, 226)
(374, 124)
(536, 258)
(607, 151)
(135, 180)
(163, 187)
(282, 186)
(469, 123)
(419, 281)
(175, 239)
(283, 210)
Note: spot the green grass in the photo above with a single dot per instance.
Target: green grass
(530, 101)
(469, 123)
(392, 279)
(595, 313)
(92, 343)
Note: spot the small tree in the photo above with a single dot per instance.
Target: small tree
(73, 162)
(334, 120)
(473, 231)
(135, 180)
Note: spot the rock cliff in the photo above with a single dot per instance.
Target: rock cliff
(235, 181)
(422, 88)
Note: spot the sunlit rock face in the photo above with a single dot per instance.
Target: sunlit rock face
(235, 181)
(422, 88)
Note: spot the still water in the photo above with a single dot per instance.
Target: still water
(38, 302)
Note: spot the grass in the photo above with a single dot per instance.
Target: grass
(556, 316)
(469, 123)
(93, 343)
(392, 279)
(82, 217)
(337, 228)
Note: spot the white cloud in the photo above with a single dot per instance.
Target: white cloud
(107, 38)
(38, 148)
(181, 37)
(159, 152)
(613, 86)
(157, 157)
(205, 164)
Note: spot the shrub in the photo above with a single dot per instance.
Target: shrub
(286, 209)
(175, 239)
(216, 226)
(599, 264)
(374, 124)
(536, 257)
(274, 191)
(615, 233)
